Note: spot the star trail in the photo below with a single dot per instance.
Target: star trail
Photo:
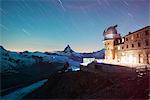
(49, 25)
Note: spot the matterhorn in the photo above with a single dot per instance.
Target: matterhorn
(68, 49)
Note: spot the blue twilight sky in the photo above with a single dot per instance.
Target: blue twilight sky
(49, 25)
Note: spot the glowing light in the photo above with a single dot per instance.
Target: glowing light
(87, 61)
(118, 47)
(130, 59)
(122, 39)
(132, 37)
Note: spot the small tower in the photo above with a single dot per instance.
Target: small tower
(110, 34)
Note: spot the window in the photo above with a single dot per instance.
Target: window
(118, 47)
(138, 35)
(122, 47)
(132, 45)
(123, 53)
(146, 33)
(140, 58)
(127, 46)
(139, 44)
(146, 42)
(148, 58)
(126, 39)
(122, 39)
(132, 37)
(118, 40)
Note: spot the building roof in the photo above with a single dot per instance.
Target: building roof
(137, 30)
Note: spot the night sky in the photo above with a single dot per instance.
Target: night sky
(49, 25)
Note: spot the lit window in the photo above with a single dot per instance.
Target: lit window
(118, 41)
(118, 47)
(140, 58)
(132, 37)
(122, 39)
(123, 54)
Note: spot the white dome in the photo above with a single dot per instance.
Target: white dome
(111, 32)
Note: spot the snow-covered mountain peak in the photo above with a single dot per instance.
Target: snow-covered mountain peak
(2, 49)
(68, 49)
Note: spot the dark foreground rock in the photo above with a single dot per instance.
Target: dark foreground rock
(27, 76)
(88, 85)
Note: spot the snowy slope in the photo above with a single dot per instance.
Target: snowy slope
(11, 61)
(20, 93)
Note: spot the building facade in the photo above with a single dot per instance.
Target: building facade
(133, 48)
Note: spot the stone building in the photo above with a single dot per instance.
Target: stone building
(133, 48)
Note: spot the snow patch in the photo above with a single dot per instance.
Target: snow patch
(20, 93)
